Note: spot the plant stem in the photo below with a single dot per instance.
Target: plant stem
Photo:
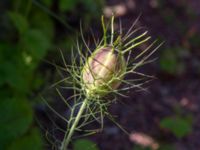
(29, 5)
(68, 137)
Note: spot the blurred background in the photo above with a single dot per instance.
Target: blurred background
(32, 32)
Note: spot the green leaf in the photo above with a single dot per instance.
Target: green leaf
(179, 126)
(194, 40)
(2, 78)
(3, 48)
(93, 7)
(32, 141)
(166, 147)
(36, 43)
(42, 21)
(13, 76)
(16, 117)
(84, 144)
(170, 62)
(48, 3)
(67, 5)
(12, 69)
(19, 22)
(138, 147)
(37, 82)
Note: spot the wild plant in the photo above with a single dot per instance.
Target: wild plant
(97, 77)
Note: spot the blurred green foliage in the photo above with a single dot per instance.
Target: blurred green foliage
(194, 40)
(138, 147)
(16, 117)
(171, 60)
(180, 126)
(28, 33)
(183, 38)
(166, 147)
(84, 144)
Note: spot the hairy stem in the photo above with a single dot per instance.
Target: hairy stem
(68, 137)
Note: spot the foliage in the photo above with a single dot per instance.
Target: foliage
(166, 147)
(29, 141)
(84, 144)
(171, 61)
(178, 125)
(28, 32)
(194, 40)
(15, 119)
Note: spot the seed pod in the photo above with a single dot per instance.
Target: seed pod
(103, 71)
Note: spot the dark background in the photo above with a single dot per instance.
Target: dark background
(33, 31)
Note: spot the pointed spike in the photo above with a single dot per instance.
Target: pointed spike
(136, 44)
(104, 30)
(112, 29)
(138, 37)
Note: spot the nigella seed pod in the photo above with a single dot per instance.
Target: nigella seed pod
(93, 78)
(103, 71)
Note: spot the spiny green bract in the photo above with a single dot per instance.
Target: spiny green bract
(103, 71)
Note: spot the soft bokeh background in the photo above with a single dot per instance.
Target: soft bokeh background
(32, 32)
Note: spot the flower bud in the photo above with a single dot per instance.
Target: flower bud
(103, 71)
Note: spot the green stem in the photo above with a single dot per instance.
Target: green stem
(28, 8)
(52, 14)
(104, 31)
(112, 30)
(68, 137)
